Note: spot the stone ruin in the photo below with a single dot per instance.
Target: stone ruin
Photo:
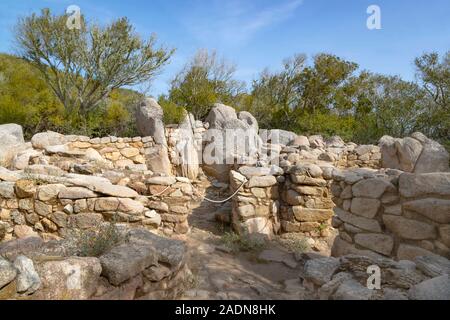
(385, 205)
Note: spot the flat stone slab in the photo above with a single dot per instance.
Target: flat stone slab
(278, 256)
(127, 261)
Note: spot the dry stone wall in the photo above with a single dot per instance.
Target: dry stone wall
(307, 207)
(142, 266)
(34, 205)
(391, 213)
(272, 201)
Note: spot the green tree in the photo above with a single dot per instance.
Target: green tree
(433, 74)
(204, 81)
(25, 97)
(83, 66)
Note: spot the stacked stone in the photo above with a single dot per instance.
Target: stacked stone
(142, 266)
(255, 207)
(28, 208)
(171, 197)
(122, 152)
(307, 206)
(399, 215)
(363, 156)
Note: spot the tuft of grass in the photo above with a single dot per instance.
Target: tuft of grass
(96, 241)
(244, 242)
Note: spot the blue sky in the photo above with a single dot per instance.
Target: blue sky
(256, 34)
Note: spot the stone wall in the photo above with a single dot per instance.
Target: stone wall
(50, 205)
(306, 200)
(272, 201)
(364, 156)
(390, 213)
(255, 208)
(142, 266)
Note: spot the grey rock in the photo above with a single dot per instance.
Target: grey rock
(28, 280)
(320, 271)
(433, 266)
(433, 289)
(352, 290)
(7, 272)
(43, 140)
(126, 261)
(149, 121)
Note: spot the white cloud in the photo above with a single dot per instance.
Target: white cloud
(236, 22)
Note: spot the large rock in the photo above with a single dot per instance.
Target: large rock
(409, 229)
(277, 136)
(43, 140)
(435, 209)
(360, 222)
(320, 271)
(417, 185)
(434, 157)
(433, 289)
(7, 272)
(371, 188)
(416, 154)
(352, 290)
(157, 160)
(28, 280)
(248, 118)
(169, 251)
(375, 241)
(149, 121)
(229, 140)
(73, 278)
(433, 266)
(189, 161)
(408, 151)
(410, 252)
(11, 143)
(22, 159)
(11, 134)
(127, 261)
(389, 158)
(220, 115)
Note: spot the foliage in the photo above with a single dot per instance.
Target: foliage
(173, 114)
(26, 99)
(331, 97)
(83, 66)
(96, 241)
(204, 81)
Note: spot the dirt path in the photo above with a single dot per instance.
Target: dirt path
(235, 275)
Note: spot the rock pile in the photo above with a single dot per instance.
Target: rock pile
(353, 277)
(144, 266)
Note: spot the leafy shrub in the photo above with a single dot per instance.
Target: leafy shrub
(173, 114)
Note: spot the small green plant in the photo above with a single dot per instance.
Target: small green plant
(322, 227)
(96, 241)
(294, 243)
(244, 242)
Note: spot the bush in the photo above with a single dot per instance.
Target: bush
(245, 242)
(96, 241)
(173, 114)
